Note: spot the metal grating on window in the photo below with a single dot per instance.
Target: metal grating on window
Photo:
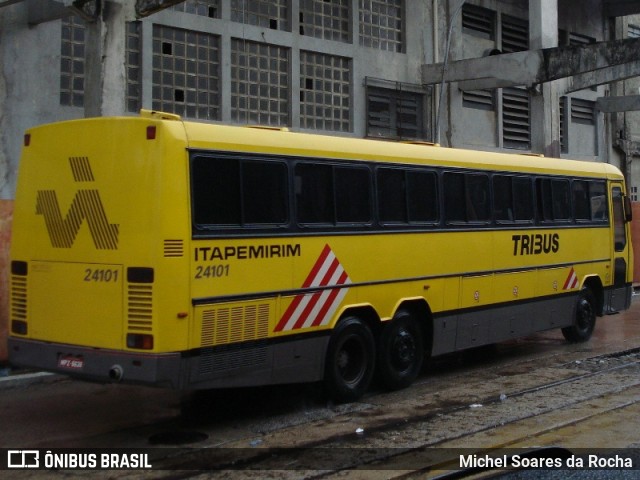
(205, 8)
(516, 119)
(515, 34)
(140, 308)
(396, 114)
(272, 14)
(325, 92)
(478, 99)
(259, 83)
(133, 63)
(186, 77)
(564, 146)
(72, 62)
(582, 111)
(382, 24)
(328, 20)
(478, 21)
(579, 39)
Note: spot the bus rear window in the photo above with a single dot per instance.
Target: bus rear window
(233, 192)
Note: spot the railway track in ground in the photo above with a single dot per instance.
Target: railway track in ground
(536, 402)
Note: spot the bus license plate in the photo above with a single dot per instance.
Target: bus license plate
(70, 362)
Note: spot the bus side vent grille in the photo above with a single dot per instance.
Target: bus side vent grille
(226, 325)
(140, 308)
(18, 298)
(231, 357)
(173, 248)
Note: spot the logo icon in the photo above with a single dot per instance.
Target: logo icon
(23, 459)
(86, 205)
(317, 308)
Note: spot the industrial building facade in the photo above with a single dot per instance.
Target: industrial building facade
(392, 70)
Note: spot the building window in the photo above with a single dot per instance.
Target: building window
(478, 21)
(395, 113)
(133, 58)
(515, 34)
(72, 63)
(633, 31)
(327, 20)
(583, 111)
(205, 8)
(516, 115)
(479, 99)
(564, 124)
(325, 92)
(186, 77)
(259, 83)
(382, 24)
(272, 14)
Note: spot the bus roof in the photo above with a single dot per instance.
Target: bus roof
(281, 141)
(285, 142)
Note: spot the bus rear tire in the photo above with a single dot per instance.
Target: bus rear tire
(585, 318)
(350, 360)
(400, 351)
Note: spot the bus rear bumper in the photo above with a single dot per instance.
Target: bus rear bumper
(100, 365)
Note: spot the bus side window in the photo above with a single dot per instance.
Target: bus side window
(422, 194)
(353, 194)
(580, 194)
(598, 201)
(561, 200)
(314, 193)
(215, 184)
(265, 192)
(392, 195)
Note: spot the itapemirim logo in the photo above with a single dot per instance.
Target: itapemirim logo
(86, 205)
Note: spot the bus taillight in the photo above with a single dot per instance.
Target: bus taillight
(140, 341)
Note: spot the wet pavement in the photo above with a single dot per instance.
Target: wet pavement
(536, 391)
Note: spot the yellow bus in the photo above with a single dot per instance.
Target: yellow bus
(157, 251)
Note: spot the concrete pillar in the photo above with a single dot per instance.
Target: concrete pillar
(105, 77)
(545, 107)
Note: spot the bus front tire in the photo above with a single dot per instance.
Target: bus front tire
(585, 318)
(350, 360)
(400, 351)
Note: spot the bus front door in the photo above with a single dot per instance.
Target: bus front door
(620, 293)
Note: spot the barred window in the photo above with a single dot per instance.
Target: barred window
(478, 21)
(133, 60)
(186, 78)
(515, 34)
(397, 114)
(205, 8)
(325, 92)
(322, 19)
(479, 99)
(72, 62)
(583, 111)
(259, 83)
(272, 14)
(382, 24)
(633, 31)
(516, 118)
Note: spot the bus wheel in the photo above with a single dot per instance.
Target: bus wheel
(350, 360)
(585, 320)
(400, 351)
